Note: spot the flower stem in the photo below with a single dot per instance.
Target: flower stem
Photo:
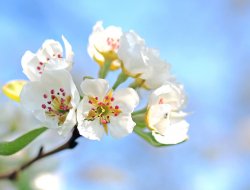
(120, 79)
(104, 69)
(70, 144)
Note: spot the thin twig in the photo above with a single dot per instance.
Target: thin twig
(70, 144)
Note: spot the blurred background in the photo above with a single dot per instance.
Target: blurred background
(208, 45)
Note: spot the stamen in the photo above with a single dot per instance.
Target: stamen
(45, 96)
(161, 101)
(43, 106)
(104, 121)
(103, 110)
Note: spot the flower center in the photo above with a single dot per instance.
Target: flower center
(41, 65)
(113, 43)
(103, 109)
(57, 104)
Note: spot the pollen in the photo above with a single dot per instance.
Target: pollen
(103, 110)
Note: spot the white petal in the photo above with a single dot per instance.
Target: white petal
(171, 93)
(83, 110)
(156, 113)
(57, 65)
(69, 124)
(95, 87)
(69, 54)
(127, 99)
(159, 75)
(174, 134)
(91, 129)
(98, 27)
(31, 99)
(121, 126)
(131, 52)
(52, 47)
(29, 64)
(94, 53)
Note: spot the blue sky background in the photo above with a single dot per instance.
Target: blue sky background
(208, 45)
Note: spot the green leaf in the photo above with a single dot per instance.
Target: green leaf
(9, 148)
(147, 136)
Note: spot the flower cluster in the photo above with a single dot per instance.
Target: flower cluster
(52, 96)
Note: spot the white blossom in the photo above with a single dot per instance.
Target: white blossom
(53, 100)
(165, 116)
(104, 43)
(48, 57)
(104, 111)
(142, 62)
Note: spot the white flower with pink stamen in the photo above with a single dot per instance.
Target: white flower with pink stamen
(164, 116)
(104, 111)
(48, 57)
(105, 42)
(53, 100)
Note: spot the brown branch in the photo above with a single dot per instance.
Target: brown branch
(70, 144)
